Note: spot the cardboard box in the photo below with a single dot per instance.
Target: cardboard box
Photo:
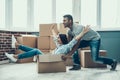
(43, 43)
(28, 40)
(87, 62)
(45, 29)
(50, 63)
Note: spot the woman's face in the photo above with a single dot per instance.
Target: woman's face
(59, 40)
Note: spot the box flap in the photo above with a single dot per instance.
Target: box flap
(50, 58)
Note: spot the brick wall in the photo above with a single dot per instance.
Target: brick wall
(5, 42)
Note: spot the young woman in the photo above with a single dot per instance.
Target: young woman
(63, 47)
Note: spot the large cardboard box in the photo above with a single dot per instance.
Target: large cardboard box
(87, 62)
(27, 40)
(50, 63)
(45, 29)
(43, 43)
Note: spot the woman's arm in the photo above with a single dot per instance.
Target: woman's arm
(53, 31)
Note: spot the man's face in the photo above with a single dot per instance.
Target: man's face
(66, 22)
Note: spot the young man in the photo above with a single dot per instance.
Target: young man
(91, 38)
(63, 47)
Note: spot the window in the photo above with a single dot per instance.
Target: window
(63, 7)
(2, 13)
(110, 14)
(88, 12)
(20, 13)
(26, 15)
(43, 12)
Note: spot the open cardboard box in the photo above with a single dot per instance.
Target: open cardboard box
(50, 63)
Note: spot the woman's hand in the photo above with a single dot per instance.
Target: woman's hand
(86, 29)
(64, 57)
(52, 27)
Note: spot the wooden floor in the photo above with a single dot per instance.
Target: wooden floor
(28, 71)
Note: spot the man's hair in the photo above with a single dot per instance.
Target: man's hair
(63, 38)
(69, 17)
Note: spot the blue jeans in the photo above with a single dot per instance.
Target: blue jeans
(76, 59)
(28, 52)
(94, 47)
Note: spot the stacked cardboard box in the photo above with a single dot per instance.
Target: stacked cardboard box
(48, 62)
(27, 40)
(86, 60)
(45, 40)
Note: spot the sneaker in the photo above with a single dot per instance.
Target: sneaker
(113, 66)
(10, 56)
(13, 41)
(75, 67)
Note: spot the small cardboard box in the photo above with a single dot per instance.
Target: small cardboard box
(43, 43)
(45, 29)
(87, 62)
(50, 63)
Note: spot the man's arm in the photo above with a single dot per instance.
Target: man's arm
(78, 38)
